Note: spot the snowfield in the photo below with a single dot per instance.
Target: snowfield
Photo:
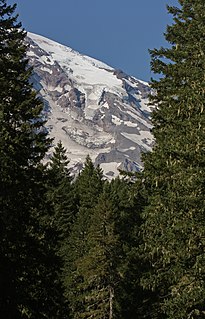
(91, 107)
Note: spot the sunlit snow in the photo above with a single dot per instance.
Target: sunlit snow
(91, 107)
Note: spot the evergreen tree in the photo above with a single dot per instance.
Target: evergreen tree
(88, 186)
(61, 194)
(174, 174)
(97, 267)
(128, 201)
(61, 215)
(27, 283)
(105, 270)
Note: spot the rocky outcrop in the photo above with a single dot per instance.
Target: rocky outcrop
(91, 107)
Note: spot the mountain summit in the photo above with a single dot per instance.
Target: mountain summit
(91, 107)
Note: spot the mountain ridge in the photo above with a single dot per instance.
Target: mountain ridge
(91, 107)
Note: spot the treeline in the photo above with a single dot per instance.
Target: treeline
(131, 248)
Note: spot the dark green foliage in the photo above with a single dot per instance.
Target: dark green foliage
(88, 186)
(128, 200)
(98, 265)
(59, 163)
(61, 215)
(61, 193)
(27, 282)
(102, 265)
(174, 175)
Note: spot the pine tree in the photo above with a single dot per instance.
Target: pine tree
(89, 184)
(88, 187)
(174, 174)
(61, 193)
(128, 201)
(97, 266)
(61, 213)
(106, 268)
(27, 283)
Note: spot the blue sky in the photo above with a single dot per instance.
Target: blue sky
(117, 32)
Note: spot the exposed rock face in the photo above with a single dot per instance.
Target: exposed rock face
(92, 108)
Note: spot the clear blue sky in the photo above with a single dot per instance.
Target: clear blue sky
(117, 32)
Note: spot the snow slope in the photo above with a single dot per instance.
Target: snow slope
(91, 107)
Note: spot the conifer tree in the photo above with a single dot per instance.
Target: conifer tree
(61, 194)
(89, 184)
(61, 215)
(97, 267)
(128, 201)
(105, 275)
(174, 174)
(88, 187)
(27, 288)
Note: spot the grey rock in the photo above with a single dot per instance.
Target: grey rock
(93, 108)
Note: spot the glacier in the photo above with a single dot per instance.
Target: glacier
(91, 107)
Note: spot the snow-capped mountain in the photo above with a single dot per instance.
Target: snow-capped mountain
(91, 107)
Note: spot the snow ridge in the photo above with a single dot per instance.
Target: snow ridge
(91, 107)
